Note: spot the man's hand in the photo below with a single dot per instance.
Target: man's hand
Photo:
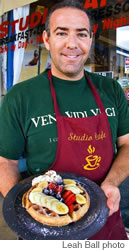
(113, 196)
(119, 171)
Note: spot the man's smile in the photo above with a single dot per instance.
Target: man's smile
(70, 56)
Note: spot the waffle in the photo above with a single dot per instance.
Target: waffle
(46, 215)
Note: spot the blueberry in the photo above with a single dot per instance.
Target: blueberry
(46, 191)
(52, 192)
(59, 182)
(58, 196)
(61, 200)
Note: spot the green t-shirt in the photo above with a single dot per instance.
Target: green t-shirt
(27, 117)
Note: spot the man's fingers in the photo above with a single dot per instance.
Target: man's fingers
(113, 198)
(112, 205)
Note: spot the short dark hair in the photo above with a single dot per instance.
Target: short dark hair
(64, 4)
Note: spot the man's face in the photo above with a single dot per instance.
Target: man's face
(69, 42)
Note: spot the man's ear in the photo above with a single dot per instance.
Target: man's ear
(46, 40)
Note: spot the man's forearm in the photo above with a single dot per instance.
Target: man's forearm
(9, 175)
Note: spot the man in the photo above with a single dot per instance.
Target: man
(62, 107)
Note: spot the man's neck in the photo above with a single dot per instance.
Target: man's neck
(67, 76)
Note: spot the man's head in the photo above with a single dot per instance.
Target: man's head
(65, 4)
(68, 37)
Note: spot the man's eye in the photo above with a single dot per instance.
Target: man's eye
(61, 34)
(83, 35)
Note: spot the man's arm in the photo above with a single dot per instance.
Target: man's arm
(9, 174)
(118, 173)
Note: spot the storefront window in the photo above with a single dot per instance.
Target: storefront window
(109, 54)
(110, 50)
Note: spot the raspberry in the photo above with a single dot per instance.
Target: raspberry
(52, 185)
(59, 189)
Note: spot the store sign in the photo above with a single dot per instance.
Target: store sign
(127, 94)
(127, 65)
(106, 73)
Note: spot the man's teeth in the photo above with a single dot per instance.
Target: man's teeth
(71, 56)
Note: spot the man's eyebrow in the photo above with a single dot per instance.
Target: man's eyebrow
(66, 29)
(60, 28)
(83, 29)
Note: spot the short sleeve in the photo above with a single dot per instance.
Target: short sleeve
(12, 138)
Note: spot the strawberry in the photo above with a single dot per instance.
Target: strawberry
(66, 194)
(71, 207)
(70, 199)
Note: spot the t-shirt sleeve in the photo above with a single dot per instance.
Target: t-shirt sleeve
(123, 111)
(12, 138)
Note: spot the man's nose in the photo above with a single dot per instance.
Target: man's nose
(72, 42)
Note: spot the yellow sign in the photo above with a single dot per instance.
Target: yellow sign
(93, 161)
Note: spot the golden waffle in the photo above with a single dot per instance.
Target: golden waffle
(49, 217)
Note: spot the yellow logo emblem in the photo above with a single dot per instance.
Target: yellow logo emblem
(93, 161)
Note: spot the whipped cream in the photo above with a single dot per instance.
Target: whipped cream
(50, 176)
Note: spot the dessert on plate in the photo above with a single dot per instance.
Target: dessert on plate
(55, 201)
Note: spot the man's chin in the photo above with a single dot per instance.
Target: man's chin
(70, 73)
(73, 74)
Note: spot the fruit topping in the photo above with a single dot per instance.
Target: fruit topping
(62, 200)
(46, 191)
(58, 196)
(73, 188)
(48, 202)
(80, 199)
(70, 199)
(60, 208)
(69, 181)
(71, 208)
(60, 182)
(52, 185)
(59, 189)
(37, 189)
(66, 194)
(52, 192)
(43, 184)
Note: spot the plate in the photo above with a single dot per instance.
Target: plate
(27, 228)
